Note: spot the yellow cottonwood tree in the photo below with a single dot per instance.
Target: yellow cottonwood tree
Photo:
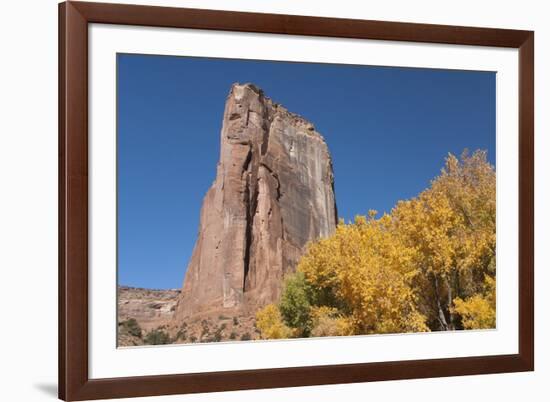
(479, 310)
(452, 225)
(270, 323)
(328, 321)
(428, 265)
(370, 273)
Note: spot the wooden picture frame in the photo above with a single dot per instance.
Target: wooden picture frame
(74, 381)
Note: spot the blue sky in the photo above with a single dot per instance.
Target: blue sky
(388, 130)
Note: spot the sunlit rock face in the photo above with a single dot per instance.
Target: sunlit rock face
(273, 193)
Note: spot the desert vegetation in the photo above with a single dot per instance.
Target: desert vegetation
(157, 337)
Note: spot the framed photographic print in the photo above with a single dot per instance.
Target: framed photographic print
(259, 200)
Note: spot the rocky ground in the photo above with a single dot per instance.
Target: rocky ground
(145, 316)
(216, 327)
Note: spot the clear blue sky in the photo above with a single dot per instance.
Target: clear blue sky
(388, 130)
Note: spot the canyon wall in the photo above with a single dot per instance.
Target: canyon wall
(273, 193)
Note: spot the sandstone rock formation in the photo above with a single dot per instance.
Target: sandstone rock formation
(151, 309)
(273, 193)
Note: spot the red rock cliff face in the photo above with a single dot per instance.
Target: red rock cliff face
(273, 193)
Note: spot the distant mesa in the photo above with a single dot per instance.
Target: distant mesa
(273, 193)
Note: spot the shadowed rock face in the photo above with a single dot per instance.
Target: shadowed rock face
(273, 193)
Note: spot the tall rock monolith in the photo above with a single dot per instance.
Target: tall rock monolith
(273, 193)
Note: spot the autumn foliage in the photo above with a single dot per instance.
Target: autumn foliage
(429, 265)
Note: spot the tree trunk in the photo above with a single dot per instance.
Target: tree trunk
(441, 314)
(450, 304)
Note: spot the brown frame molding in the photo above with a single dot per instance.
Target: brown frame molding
(74, 383)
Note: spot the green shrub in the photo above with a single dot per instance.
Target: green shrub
(205, 330)
(132, 327)
(157, 337)
(295, 303)
(218, 333)
(182, 334)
